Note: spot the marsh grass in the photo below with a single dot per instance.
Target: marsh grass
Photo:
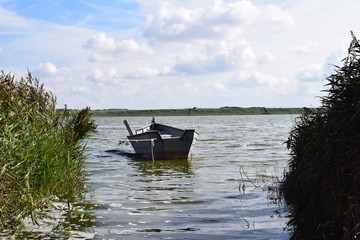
(41, 151)
(322, 184)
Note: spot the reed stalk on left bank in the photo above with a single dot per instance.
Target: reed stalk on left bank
(41, 151)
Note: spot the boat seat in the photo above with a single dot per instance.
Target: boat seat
(166, 135)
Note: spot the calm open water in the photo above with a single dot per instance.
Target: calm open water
(195, 199)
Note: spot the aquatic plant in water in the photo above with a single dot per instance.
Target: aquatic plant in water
(322, 184)
(41, 151)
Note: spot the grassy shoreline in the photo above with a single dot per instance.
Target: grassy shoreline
(195, 111)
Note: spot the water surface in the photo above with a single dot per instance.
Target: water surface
(195, 199)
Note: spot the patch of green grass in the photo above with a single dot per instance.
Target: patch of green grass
(196, 111)
(41, 151)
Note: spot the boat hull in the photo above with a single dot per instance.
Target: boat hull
(154, 146)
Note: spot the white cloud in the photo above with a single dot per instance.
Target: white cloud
(215, 20)
(47, 69)
(214, 57)
(313, 88)
(101, 43)
(248, 54)
(95, 57)
(306, 47)
(318, 72)
(81, 89)
(104, 47)
(217, 87)
(272, 15)
(313, 73)
(104, 77)
(334, 59)
(187, 86)
(266, 57)
(143, 73)
(205, 53)
(246, 79)
(12, 21)
(49, 72)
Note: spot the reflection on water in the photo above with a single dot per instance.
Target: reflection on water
(192, 199)
(61, 221)
(173, 168)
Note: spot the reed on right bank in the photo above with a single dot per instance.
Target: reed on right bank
(322, 183)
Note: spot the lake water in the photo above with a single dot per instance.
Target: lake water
(207, 197)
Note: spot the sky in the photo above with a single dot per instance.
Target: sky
(159, 54)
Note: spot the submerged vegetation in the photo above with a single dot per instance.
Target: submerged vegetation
(41, 152)
(322, 185)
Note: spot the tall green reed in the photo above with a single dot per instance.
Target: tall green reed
(41, 150)
(322, 184)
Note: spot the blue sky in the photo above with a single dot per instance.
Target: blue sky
(155, 54)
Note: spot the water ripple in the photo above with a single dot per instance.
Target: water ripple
(195, 199)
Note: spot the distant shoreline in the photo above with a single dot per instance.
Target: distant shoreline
(195, 111)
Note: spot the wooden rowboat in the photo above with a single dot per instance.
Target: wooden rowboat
(158, 141)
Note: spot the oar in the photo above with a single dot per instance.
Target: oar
(128, 128)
